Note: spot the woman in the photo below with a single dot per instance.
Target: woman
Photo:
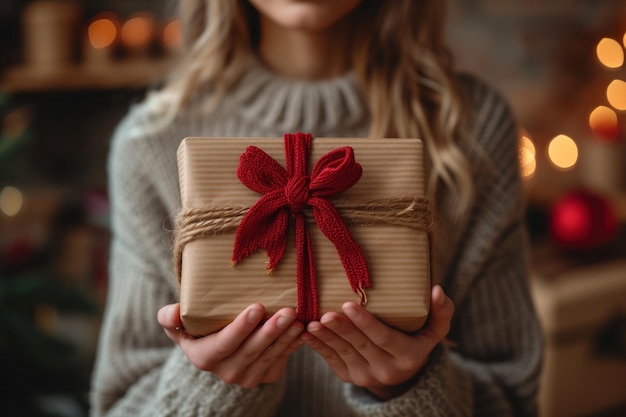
(353, 68)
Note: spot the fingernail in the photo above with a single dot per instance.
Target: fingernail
(313, 328)
(170, 313)
(352, 311)
(328, 320)
(254, 315)
(161, 314)
(442, 298)
(284, 321)
(294, 331)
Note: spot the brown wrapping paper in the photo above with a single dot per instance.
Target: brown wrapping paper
(212, 292)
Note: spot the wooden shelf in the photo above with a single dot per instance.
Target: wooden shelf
(129, 73)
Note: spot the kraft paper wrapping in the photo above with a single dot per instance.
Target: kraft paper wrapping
(212, 292)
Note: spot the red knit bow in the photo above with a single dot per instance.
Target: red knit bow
(290, 192)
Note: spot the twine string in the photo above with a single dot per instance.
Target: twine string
(200, 223)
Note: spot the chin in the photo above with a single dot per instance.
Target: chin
(310, 15)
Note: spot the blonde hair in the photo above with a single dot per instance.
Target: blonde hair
(403, 67)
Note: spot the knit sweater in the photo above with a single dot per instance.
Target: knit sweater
(490, 368)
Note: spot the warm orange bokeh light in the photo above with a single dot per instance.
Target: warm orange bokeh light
(172, 35)
(563, 152)
(138, 31)
(102, 33)
(528, 158)
(610, 53)
(11, 201)
(616, 94)
(603, 123)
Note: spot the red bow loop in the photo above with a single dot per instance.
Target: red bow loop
(260, 172)
(335, 172)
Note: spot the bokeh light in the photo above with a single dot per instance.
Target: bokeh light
(172, 35)
(102, 32)
(610, 53)
(563, 152)
(604, 124)
(138, 31)
(528, 158)
(11, 201)
(571, 220)
(616, 94)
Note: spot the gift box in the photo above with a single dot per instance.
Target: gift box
(378, 186)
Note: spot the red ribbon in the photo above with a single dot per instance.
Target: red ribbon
(287, 193)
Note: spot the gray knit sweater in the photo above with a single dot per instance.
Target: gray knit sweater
(492, 366)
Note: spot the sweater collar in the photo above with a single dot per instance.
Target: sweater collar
(271, 101)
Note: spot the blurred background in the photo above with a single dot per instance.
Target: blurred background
(70, 69)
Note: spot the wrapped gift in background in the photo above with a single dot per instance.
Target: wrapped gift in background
(385, 211)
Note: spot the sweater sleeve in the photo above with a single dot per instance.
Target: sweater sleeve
(138, 370)
(492, 366)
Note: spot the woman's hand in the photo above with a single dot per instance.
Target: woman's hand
(362, 350)
(243, 352)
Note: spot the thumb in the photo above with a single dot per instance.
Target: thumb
(441, 312)
(169, 318)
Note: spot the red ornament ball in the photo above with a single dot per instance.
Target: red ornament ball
(583, 220)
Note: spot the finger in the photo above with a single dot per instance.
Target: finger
(295, 345)
(327, 353)
(265, 336)
(283, 345)
(205, 352)
(441, 312)
(342, 353)
(276, 352)
(391, 341)
(275, 371)
(169, 318)
(362, 344)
